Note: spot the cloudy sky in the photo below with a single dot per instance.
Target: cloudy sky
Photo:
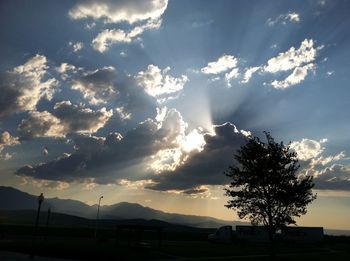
(147, 101)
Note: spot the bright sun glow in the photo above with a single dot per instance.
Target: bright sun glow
(193, 141)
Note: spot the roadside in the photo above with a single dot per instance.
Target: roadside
(14, 256)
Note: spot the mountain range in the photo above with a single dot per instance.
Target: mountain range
(15, 203)
(20, 207)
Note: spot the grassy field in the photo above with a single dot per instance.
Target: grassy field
(76, 243)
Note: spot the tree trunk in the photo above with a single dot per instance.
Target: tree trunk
(272, 243)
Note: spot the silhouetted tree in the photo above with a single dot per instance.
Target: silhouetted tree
(265, 187)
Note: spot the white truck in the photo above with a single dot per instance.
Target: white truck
(225, 234)
(311, 235)
(259, 234)
(221, 235)
(252, 234)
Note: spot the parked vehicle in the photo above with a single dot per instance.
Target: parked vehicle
(221, 235)
(302, 234)
(259, 234)
(252, 233)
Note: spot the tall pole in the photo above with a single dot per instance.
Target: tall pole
(47, 221)
(97, 215)
(40, 201)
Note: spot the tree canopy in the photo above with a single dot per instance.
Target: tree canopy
(265, 186)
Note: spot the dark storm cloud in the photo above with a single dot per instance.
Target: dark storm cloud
(40, 124)
(334, 177)
(79, 118)
(194, 191)
(105, 159)
(206, 167)
(66, 118)
(8, 99)
(329, 176)
(343, 185)
(111, 88)
(97, 86)
(134, 99)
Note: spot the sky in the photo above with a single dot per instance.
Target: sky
(148, 100)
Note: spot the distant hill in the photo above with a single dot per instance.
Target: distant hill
(337, 232)
(27, 217)
(125, 210)
(14, 199)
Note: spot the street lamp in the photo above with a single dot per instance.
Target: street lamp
(40, 201)
(97, 216)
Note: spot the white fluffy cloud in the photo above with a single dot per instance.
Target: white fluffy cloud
(25, 86)
(168, 158)
(297, 76)
(223, 64)
(6, 140)
(234, 73)
(66, 118)
(147, 13)
(76, 46)
(249, 73)
(30, 79)
(312, 152)
(284, 18)
(108, 37)
(327, 173)
(292, 58)
(66, 70)
(300, 60)
(158, 83)
(308, 149)
(130, 11)
(181, 141)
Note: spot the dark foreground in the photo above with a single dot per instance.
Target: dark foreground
(191, 244)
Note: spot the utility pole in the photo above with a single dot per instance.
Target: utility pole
(47, 221)
(97, 216)
(40, 201)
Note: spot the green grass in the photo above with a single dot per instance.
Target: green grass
(90, 249)
(66, 242)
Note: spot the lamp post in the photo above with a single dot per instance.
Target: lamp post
(40, 201)
(97, 215)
